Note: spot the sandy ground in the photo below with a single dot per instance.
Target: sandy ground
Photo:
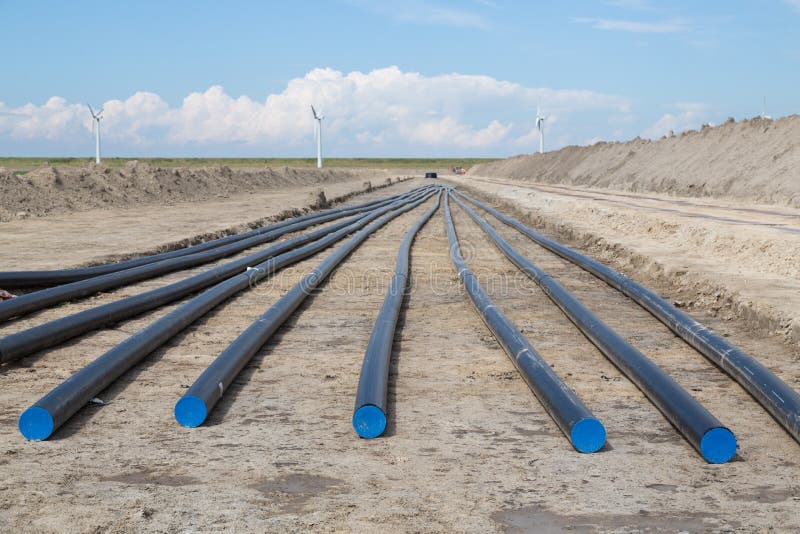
(738, 258)
(97, 236)
(754, 160)
(468, 447)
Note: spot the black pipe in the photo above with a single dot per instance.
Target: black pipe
(369, 416)
(777, 397)
(40, 420)
(37, 300)
(584, 431)
(25, 342)
(715, 443)
(192, 409)
(17, 279)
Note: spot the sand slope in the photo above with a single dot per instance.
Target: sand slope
(49, 189)
(756, 159)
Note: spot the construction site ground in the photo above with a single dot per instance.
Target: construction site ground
(468, 447)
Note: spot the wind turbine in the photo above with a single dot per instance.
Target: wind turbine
(96, 128)
(764, 110)
(318, 134)
(540, 126)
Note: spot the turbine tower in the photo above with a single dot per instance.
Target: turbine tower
(318, 133)
(96, 128)
(540, 126)
(764, 110)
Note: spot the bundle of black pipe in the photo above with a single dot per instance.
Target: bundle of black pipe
(63, 276)
(41, 299)
(54, 409)
(50, 334)
(715, 443)
(585, 432)
(193, 408)
(369, 416)
(777, 397)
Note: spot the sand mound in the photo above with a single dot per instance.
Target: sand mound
(756, 159)
(48, 189)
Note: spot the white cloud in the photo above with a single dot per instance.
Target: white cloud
(688, 115)
(449, 131)
(131, 119)
(386, 110)
(669, 26)
(53, 120)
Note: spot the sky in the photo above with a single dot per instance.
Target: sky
(418, 78)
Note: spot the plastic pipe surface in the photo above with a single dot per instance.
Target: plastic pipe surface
(54, 409)
(13, 279)
(702, 430)
(193, 408)
(584, 431)
(369, 415)
(37, 300)
(777, 397)
(25, 342)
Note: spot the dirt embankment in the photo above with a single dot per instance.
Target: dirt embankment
(49, 189)
(756, 159)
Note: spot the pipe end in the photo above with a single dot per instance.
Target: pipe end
(36, 424)
(588, 435)
(718, 445)
(190, 411)
(369, 421)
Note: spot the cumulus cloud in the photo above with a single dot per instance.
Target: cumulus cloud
(688, 115)
(449, 131)
(52, 120)
(386, 110)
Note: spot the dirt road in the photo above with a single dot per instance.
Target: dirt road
(468, 447)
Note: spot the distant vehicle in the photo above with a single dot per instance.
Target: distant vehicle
(459, 170)
(431, 175)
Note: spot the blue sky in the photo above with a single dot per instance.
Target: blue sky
(427, 78)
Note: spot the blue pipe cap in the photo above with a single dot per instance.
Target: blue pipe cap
(718, 445)
(190, 411)
(588, 435)
(36, 423)
(369, 421)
